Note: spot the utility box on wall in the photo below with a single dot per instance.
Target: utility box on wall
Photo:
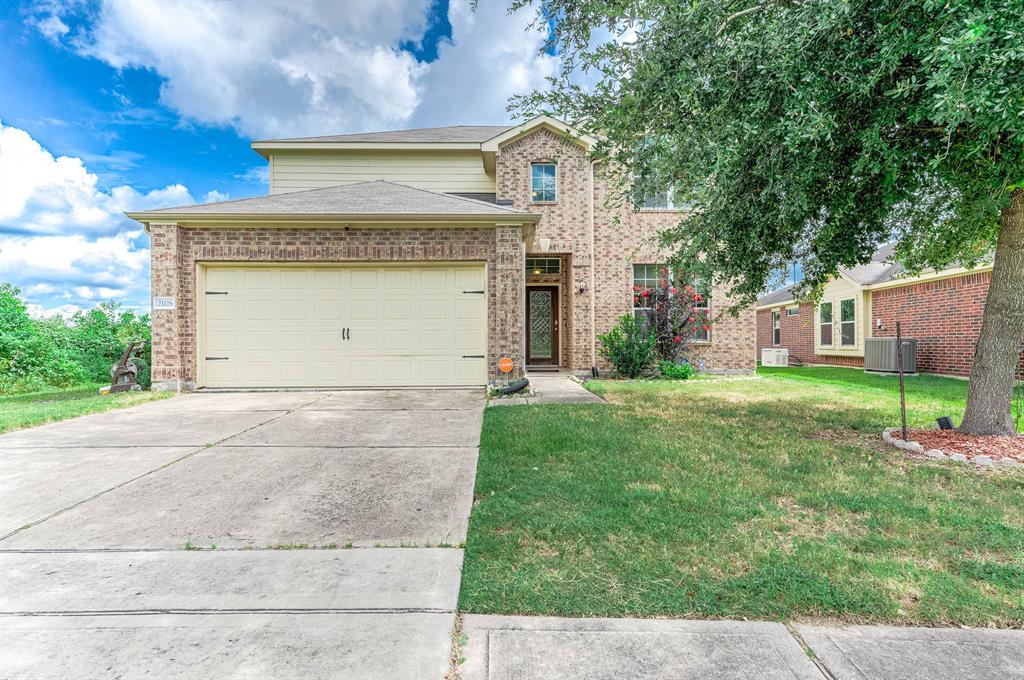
(880, 355)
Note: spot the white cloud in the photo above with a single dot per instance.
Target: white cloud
(492, 56)
(43, 194)
(273, 68)
(213, 196)
(64, 240)
(282, 68)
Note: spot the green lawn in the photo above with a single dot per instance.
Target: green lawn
(36, 408)
(766, 498)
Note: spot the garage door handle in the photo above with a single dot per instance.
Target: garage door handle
(216, 292)
(472, 356)
(473, 292)
(216, 358)
(344, 334)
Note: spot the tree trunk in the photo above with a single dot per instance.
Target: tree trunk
(995, 358)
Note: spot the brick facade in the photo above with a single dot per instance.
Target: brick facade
(944, 315)
(176, 252)
(621, 238)
(597, 252)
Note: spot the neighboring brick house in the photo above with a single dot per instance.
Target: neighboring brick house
(941, 310)
(410, 258)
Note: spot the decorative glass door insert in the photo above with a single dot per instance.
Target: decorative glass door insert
(542, 325)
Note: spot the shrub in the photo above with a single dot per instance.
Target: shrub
(670, 370)
(673, 315)
(36, 354)
(628, 347)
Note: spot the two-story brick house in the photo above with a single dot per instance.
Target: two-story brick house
(410, 258)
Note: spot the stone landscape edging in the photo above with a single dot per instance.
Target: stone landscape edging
(915, 447)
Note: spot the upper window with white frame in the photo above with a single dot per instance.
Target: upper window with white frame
(776, 327)
(543, 181)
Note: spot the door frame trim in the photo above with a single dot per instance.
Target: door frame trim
(557, 321)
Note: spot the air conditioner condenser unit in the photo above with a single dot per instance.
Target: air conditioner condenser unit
(880, 355)
(771, 356)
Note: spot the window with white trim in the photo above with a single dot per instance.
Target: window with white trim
(776, 327)
(848, 322)
(793, 311)
(825, 324)
(542, 182)
(646, 277)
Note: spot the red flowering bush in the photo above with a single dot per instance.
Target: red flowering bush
(674, 315)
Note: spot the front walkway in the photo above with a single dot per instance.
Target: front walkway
(252, 535)
(551, 388)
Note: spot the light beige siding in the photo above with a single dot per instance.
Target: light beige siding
(447, 171)
(838, 289)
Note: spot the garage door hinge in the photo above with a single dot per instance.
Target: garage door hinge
(472, 356)
(216, 292)
(473, 292)
(216, 358)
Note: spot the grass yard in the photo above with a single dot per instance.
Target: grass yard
(768, 498)
(35, 408)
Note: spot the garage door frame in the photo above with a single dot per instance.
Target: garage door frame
(200, 299)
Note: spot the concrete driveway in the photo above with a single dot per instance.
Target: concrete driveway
(108, 525)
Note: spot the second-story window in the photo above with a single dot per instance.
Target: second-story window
(542, 182)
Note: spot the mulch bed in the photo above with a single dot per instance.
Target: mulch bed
(951, 441)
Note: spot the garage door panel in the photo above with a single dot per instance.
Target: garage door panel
(283, 326)
(258, 279)
(260, 309)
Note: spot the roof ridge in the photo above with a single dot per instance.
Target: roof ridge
(380, 132)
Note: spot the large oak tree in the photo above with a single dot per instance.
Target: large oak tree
(814, 131)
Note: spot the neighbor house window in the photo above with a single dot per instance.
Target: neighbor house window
(825, 324)
(542, 182)
(543, 265)
(847, 323)
(776, 328)
(793, 311)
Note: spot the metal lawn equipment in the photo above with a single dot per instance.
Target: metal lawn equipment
(124, 374)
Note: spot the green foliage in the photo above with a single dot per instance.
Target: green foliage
(628, 347)
(670, 370)
(804, 131)
(36, 354)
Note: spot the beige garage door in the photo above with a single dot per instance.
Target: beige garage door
(362, 326)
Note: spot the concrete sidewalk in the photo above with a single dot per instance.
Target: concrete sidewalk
(543, 648)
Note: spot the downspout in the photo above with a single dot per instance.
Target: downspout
(593, 278)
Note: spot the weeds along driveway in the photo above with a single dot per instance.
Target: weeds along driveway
(102, 516)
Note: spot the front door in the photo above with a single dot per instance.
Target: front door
(541, 325)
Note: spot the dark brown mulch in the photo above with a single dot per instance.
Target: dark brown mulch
(951, 441)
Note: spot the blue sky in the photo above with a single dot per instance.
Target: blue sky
(113, 106)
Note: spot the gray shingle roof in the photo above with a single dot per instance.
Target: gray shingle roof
(778, 296)
(881, 268)
(378, 197)
(452, 133)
